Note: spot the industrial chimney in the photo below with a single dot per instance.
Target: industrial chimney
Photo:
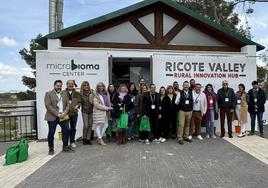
(55, 15)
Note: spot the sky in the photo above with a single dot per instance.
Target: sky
(21, 20)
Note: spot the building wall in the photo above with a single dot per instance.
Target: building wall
(48, 63)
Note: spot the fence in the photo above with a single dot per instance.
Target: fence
(17, 122)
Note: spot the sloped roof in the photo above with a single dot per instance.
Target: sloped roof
(132, 8)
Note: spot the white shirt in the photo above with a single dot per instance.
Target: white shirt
(60, 102)
(197, 101)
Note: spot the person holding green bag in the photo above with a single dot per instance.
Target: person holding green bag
(111, 130)
(122, 104)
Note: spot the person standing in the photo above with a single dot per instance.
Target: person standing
(144, 135)
(161, 130)
(169, 113)
(185, 101)
(57, 108)
(121, 103)
(226, 103)
(241, 109)
(199, 109)
(112, 121)
(192, 84)
(132, 91)
(150, 104)
(256, 101)
(102, 105)
(87, 111)
(212, 111)
(75, 102)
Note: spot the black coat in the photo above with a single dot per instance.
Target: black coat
(118, 103)
(147, 102)
(168, 107)
(221, 99)
(261, 99)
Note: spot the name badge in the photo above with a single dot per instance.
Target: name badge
(132, 99)
(152, 106)
(70, 102)
(238, 101)
(187, 102)
(211, 101)
(226, 99)
(160, 108)
(255, 100)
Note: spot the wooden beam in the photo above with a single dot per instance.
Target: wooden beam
(173, 32)
(158, 24)
(149, 46)
(143, 30)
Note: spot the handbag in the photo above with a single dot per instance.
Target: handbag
(145, 124)
(123, 120)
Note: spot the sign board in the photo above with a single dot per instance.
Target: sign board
(204, 69)
(68, 65)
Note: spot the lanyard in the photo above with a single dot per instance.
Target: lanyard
(152, 98)
(226, 93)
(186, 94)
(70, 95)
(197, 98)
(255, 94)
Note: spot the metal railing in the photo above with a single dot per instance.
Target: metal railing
(17, 122)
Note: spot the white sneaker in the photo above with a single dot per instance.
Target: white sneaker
(73, 145)
(200, 137)
(208, 136)
(213, 136)
(159, 140)
(155, 140)
(147, 141)
(190, 137)
(163, 140)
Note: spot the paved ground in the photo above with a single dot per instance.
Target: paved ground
(4, 146)
(210, 163)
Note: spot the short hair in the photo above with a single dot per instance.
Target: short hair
(243, 86)
(175, 82)
(192, 80)
(185, 82)
(162, 87)
(198, 84)
(151, 85)
(169, 87)
(255, 82)
(141, 79)
(57, 81)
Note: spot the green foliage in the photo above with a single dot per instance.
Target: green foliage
(28, 95)
(30, 58)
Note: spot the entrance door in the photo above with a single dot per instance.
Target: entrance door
(125, 70)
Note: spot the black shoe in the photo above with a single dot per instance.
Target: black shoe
(181, 142)
(188, 140)
(173, 136)
(88, 142)
(67, 149)
(84, 142)
(251, 133)
(262, 135)
(222, 135)
(51, 152)
(230, 136)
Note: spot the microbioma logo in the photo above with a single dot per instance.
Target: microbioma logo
(73, 66)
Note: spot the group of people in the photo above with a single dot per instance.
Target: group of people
(171, 112)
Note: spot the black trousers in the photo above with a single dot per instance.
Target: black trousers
(154, 124)
(228, 113)
(167, 125)
(144, 135)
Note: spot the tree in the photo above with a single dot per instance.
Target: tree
(221, 11)
(30, 57)
(261, 74)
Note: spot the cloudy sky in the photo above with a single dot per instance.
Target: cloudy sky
(22, 20)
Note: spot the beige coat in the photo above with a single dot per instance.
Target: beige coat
(244, 111)
(100, 111)
(51, 105)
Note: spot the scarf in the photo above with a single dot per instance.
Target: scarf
(122, 95)
(105, 98)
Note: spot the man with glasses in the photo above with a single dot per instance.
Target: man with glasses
(226, 103)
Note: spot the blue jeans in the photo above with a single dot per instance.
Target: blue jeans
(51, 131)
(130, 130)
(73, 121)
(253, 120)
(210, 123)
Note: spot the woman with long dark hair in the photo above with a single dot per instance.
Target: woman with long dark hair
(132, 91)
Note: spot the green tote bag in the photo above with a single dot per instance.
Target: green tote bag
(123, 120)
(145, 124)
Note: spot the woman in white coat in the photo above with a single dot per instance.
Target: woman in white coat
(101, 107)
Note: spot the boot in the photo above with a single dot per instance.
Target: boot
(119, 139)
(84, 141)
(124, 137)
(101, 142)
(92, 135)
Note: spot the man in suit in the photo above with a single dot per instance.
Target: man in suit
(150, 107)
(75, 102)
(256, 101)
(57, 105)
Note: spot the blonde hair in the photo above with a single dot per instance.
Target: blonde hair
(82, 87)
(120, 87)
(99, 85)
